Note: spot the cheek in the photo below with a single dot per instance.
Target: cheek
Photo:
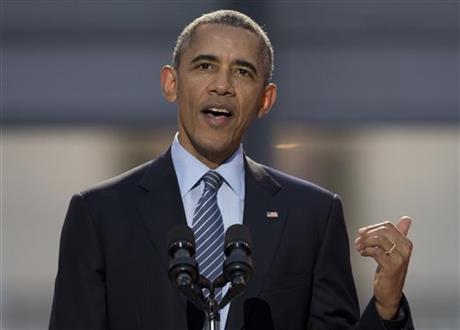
(191, 93)
(250, 109)
(251, 95)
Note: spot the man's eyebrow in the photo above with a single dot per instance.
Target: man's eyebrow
(247, 64)
(204, 57)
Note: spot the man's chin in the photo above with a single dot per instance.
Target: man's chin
(216, 151)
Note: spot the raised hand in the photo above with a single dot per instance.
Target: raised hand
(389, 246)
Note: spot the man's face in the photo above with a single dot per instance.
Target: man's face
(219, 88)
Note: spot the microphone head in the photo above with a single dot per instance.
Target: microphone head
(238, 234)
(181, 236)
(183, 268)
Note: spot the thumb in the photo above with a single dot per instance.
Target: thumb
(404, 224)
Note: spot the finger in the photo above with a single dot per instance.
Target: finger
(402, 247)
(392, 234)
(404, 224)
(377, 254)
(372, 251)
(366, 229)
(387, 231)
(384, 229)
(386, 263)
(381, 241)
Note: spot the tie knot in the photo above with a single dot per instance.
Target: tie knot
(212, 180)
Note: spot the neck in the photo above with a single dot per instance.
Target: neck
(212, 159)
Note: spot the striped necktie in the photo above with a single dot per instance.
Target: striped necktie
(208, 227)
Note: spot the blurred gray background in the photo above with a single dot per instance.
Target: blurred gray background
(368, 107)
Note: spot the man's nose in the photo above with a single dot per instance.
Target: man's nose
(222, 84)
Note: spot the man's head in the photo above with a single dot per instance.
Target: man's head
(219, 85)
(230, 18)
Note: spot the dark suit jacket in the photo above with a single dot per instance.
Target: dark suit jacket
(113, 262)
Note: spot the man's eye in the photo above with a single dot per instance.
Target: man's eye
(205, 66)
(243, 72)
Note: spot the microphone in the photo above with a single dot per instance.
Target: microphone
(238, 264)
(183, 268)
(237, 247)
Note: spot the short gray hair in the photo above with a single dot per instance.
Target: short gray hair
(230, 18)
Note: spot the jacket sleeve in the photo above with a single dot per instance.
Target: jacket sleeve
(334, 301)
(371, 320)
(334, 304)
(80, 295)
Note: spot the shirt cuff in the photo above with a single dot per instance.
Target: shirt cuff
(370, 319)
(398, 322)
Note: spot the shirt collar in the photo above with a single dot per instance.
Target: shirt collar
(189, 170)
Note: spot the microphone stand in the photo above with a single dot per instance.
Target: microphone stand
(212, 312)
(212, 307)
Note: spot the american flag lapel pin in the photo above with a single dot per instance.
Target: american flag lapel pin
(272, 215)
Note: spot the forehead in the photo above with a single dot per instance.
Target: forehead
(225, 42)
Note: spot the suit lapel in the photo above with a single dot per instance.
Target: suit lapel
(161, 208)
(260, 198)
(160, 205)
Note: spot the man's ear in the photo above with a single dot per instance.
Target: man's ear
(168, 80)
(268, 99)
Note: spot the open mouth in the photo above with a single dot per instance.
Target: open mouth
(217, 112)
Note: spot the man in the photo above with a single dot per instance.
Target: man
(113, 258)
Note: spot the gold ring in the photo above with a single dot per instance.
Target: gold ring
(390, 251)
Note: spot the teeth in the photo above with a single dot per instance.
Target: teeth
(220, 110)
